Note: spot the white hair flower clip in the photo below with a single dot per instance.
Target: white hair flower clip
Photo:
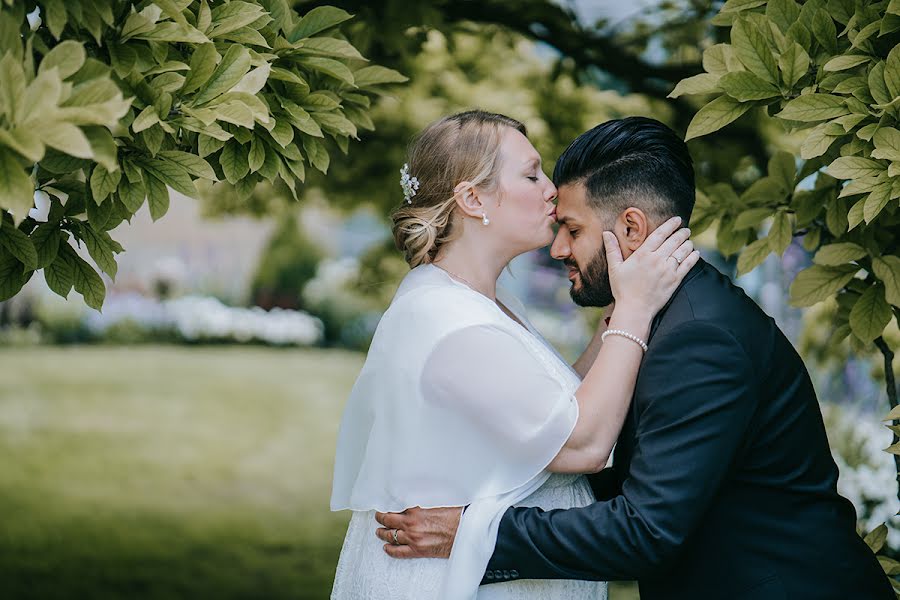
(409, 184)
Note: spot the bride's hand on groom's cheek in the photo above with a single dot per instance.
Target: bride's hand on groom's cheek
(421, 532)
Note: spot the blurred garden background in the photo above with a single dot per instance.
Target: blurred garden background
(179, 443)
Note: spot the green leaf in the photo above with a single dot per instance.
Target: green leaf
(335, 123)
(86, 281)
(887, 269)
(377, 75)
(794, 63)
(716, 59)
(12, 276)
(254, 81)
(45, 238)
(12, 88)
(203, 64)
(753, 51)
(783, 13)
(877, 86)
(887, 144)
(65, 137)
(146, 119)
(317, 154)
(704, 83)
(764, 190)
(282, 133)
(57, 17)
(856, 214)
(317, 20)
(16, 189)
(715, 115)
(101, 248)
(876, 538)
(852, 167)
(783, 168)
(17, 243)
(744, 86)
(752, 256)
(876, 201)
(892, 72)
(234, 162)
(894, 415)
(192, 163)
(814, 107)
(104, 183)
(870, 314)
(741, 5)
(173, 32)
(817, 283)
(233, 16)
(157, 197)
(68, 57)
(329, 47)
(132, 194)
(840, 253)
(846, 61)
(329, 66)
(59, 274)
(257, 156)
(231, 70)
(824, 30)
(752, 217)
(781, 233)
(817, 142)
(170, 173)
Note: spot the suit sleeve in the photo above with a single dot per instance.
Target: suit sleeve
(694, 398)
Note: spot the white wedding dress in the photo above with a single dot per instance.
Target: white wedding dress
(457, 405)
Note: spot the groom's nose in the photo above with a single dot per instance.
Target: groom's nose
(560, 249)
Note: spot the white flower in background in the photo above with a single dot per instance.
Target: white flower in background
(331, 280)
(199, 318)
(870, 483)
(41, 210)
(34, 18)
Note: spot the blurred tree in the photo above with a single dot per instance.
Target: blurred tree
(287, 263)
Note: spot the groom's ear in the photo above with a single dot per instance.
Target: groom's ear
(632, 228)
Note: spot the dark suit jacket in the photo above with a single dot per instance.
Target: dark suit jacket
(723, 485)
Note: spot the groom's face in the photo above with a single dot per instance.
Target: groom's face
(579, 244)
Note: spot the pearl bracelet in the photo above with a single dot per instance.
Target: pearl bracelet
(625, 335)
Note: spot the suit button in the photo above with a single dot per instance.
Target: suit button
(514, 574)
(498, 574)
(489, 575)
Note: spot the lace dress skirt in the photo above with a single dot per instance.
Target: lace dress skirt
(365, 572)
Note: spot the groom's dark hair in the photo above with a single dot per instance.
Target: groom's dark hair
(634, 161)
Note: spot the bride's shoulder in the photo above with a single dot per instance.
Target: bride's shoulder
(426, 293)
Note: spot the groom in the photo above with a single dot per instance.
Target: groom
(723, 486)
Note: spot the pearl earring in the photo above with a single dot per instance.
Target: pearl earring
(484, 219)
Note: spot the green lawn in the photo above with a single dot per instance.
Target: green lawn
(169, 472)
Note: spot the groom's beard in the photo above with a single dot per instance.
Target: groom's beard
(595, 289)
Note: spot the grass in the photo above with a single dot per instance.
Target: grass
(170, 472)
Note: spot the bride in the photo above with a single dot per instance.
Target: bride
(461, 402)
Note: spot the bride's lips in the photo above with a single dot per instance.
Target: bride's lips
(552, 214)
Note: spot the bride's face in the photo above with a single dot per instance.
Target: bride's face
(522, 211)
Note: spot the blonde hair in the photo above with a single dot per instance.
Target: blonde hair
(461, 147)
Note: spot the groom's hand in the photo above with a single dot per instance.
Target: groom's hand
(421, 532)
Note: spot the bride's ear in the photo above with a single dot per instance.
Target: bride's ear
(466, 196)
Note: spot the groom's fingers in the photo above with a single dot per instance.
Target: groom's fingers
(660, 235)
